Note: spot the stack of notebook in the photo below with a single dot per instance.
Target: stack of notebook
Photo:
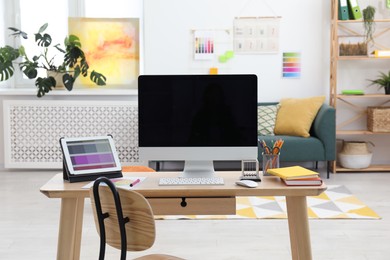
(296, 176)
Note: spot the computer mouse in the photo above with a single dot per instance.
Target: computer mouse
(247, 183)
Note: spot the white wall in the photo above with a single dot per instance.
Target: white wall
(304, 27)
(167, 44)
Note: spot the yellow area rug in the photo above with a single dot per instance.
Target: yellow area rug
(337, 202)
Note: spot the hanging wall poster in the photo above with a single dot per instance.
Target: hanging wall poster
(256, 35)
(203, 45)
(291, 65)
(111, 46)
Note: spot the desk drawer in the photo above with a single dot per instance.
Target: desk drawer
(193, 206)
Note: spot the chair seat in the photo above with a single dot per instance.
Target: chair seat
(124, 220)
(158, 257)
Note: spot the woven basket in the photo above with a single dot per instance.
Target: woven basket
(378, 119)
(356, 147)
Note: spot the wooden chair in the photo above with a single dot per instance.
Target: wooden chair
(124, 220)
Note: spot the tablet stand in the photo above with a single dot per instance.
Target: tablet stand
(87, 177)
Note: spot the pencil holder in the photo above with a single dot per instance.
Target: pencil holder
(270, 161)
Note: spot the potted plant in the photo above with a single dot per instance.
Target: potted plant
(73, 65)
(369, 23)
(383, 81)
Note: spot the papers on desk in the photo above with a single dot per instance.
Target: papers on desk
(123, 182)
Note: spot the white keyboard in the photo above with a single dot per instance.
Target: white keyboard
(190, 181)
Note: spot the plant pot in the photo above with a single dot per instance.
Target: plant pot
(355, 155)
(58, 78)
(387, 89)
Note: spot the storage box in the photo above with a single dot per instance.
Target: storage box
(352, 46)
(378, 119)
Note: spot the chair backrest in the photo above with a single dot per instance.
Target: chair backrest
(138, 221)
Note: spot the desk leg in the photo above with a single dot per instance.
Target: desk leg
(69, 237)
(298, 223)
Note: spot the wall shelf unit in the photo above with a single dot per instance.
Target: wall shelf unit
(360, 58)
(358, 132)
(371, 168)
(355, 104)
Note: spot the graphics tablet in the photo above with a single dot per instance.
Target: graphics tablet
(94, 156)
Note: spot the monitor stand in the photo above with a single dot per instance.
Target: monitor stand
(198, 169)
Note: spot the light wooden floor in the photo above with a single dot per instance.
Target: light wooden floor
(29, 227)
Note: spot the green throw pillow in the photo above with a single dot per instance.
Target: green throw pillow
(266, 117)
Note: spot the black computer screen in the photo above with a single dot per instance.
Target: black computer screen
(197, 110)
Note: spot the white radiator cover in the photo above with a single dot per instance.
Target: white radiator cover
(32, 129)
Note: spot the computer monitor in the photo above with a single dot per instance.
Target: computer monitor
(198, 119)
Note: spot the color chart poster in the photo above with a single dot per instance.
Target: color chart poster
(254, 35)
(111, 46)
(204, 45)
(291, 65)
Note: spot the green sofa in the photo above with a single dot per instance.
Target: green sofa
(320, 146)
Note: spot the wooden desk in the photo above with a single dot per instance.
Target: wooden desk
(72, 205)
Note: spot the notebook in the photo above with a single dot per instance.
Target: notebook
(293, 172)
(316, 181)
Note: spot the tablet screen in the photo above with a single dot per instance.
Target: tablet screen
(90, 155)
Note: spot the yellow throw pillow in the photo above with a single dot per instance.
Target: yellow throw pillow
(295, 115)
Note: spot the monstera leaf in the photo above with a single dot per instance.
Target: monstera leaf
(84, 67)
(44, 85)
(7, 55)
(98, 78)
(29, 69)
(73, 55)
(6, 70)
(58, 47)
(68, 81)
(43, 40)
(18, 32)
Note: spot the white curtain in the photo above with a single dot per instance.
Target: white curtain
(5, 15)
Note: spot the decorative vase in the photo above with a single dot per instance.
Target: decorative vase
(58, 78)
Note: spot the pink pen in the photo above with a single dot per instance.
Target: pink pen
(134, 182)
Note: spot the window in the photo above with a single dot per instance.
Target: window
(29, 16)
(32, 17)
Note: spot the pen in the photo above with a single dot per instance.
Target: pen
(134, 182)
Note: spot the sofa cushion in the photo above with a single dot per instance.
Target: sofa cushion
(266, 116)
(295, 115)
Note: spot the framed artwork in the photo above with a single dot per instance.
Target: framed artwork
(256, 35)
(111, 46)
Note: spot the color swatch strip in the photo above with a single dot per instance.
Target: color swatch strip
(291, 65)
